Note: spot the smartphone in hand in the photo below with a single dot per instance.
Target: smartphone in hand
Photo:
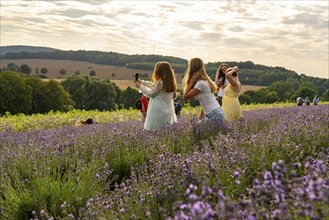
(136, 76)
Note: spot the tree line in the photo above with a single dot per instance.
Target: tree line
(250, 73)
(282, 91)
(20, 93)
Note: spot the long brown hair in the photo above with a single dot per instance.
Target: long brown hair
(220, 73)
(163, 71)
(196, 66)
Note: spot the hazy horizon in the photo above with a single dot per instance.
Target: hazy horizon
(290, 34)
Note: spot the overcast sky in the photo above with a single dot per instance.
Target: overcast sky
(291, 34)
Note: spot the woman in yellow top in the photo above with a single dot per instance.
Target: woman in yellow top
(231, 104)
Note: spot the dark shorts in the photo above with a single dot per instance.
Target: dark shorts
(220, 100)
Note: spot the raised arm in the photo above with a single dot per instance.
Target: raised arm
(146, 83)
(152, 92)
(190, 92)
(235, 83)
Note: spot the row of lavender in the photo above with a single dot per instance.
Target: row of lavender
(272, 164)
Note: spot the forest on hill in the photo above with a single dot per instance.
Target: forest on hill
(20, 48)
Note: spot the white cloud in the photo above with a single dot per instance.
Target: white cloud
(276, 33)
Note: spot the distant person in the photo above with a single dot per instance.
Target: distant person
(161, 91)
(307, 101)
(198, 84)
(231, 104)
(178, 108)
(299, 101)
(316, 100)
(89, 121)
(144, 106)
(221, 81)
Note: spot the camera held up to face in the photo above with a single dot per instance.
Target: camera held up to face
(136, 76)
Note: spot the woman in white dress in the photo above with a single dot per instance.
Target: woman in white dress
(221, 81)
(161, 91)
(198, 84)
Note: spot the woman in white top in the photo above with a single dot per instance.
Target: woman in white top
(221, 81)
(198, 84)
(161, 91)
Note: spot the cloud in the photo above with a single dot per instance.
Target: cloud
(265, 32)
(307, 20)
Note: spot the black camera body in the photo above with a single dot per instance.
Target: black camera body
(136, 76)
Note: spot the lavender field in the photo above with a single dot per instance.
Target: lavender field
(273, 164)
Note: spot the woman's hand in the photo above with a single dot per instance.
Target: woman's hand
(138, 83)
(195, 78)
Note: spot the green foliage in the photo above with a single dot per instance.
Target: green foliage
(108, 58)
(129, 97)
(13, 67)
(283, 90)
(15, 95)
(257, 96)
(101, 95)
(62, 72)
(44, 70)
(75, 86)
(28, 95)
(38, 94)
(26, 69)
(92, 73)
(249, 73)
(57, 119)
(304, 92)
(271, 97)
(245, 98)
(91, 93)
(325, 96)
(309, 85)
(280, 91)
(57, 98)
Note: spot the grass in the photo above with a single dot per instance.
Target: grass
(54, 120)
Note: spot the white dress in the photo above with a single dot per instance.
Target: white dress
(161, 111)
(221, 90)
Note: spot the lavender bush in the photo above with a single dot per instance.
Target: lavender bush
(272, 164)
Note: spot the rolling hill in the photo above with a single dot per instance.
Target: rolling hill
(122, 66)
(20, 48)
(122, 76)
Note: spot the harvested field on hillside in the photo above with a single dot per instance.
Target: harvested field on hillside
(71, 66)
(122, 77)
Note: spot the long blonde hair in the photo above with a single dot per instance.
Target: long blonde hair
(163, 71)
(196, 66)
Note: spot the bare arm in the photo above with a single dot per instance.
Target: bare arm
(146, 83)
(150, 92)
(235, 83)
(201, 116)
(174, 96)
(190, 92)
(217, 81)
